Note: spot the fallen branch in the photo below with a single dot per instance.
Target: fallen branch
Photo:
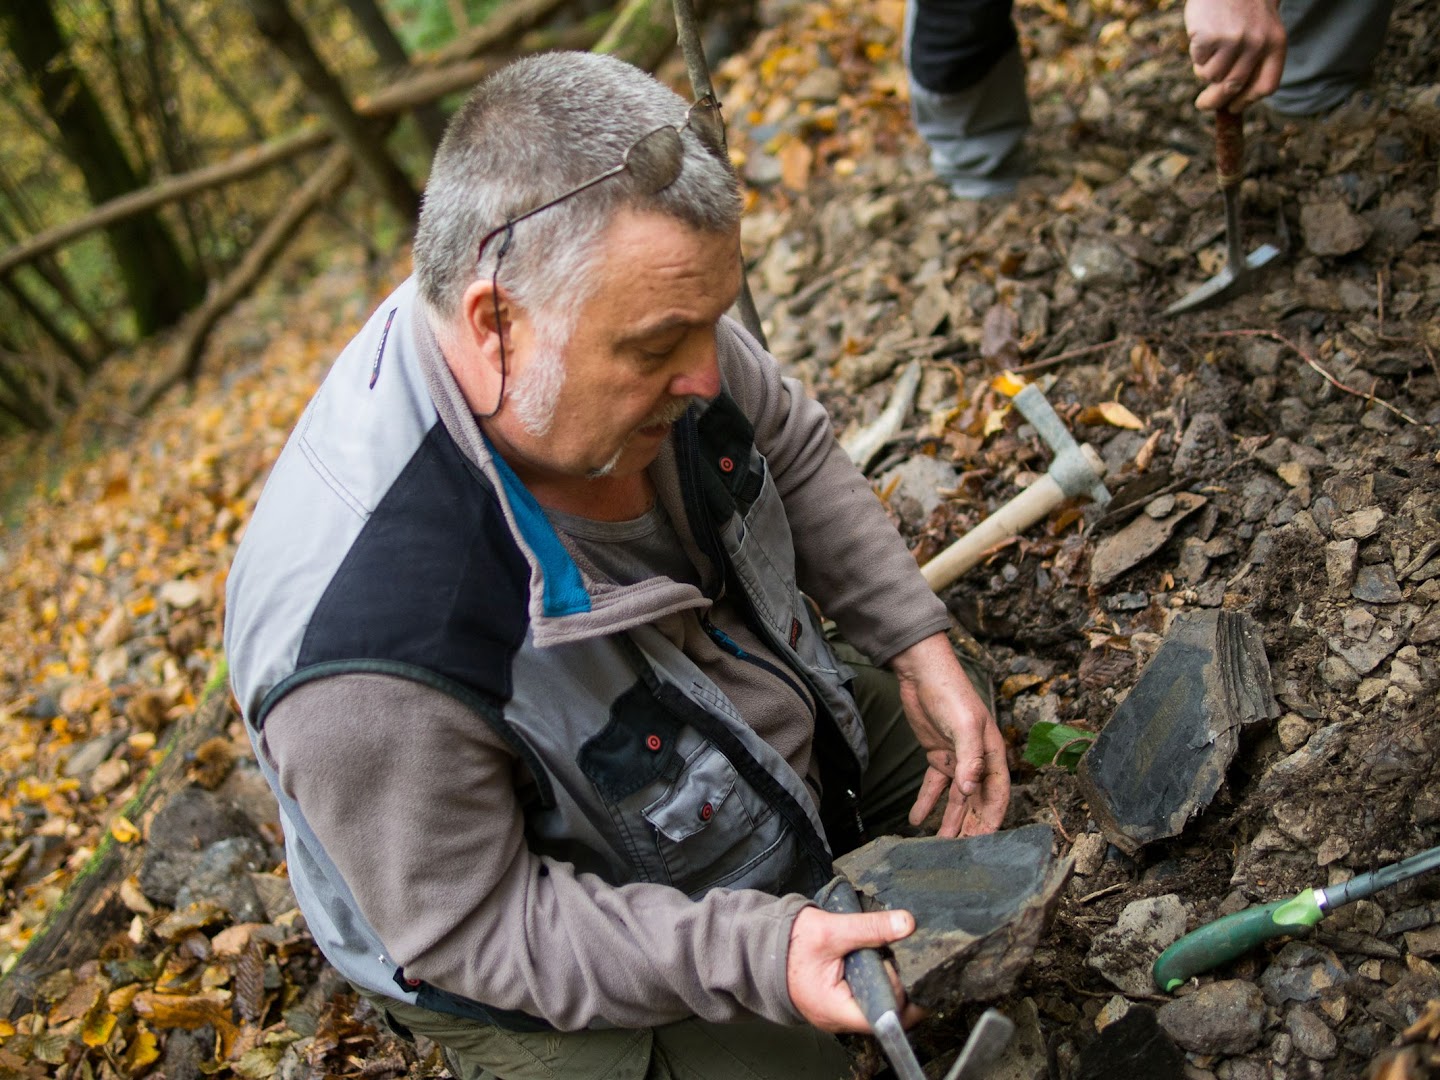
(866, 443)
(509, 23)
(322, 185)
(247, 163)
(412, 92)
(1060, 358)
(1316, 366)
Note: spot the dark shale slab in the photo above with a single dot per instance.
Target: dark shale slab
(980, 904)
(1163, 755)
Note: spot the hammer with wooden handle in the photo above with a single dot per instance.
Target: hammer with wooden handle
(1075, 470)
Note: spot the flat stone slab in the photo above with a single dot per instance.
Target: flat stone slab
(1163, 755)
(980, 905)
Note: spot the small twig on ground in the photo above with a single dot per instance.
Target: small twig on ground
(1059, 824)
(1098, 893)
(1060, 358)
(1315, 365)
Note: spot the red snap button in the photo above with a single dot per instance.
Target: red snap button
(727, 464)
(652, 743)
(412, 982)
(707, 811)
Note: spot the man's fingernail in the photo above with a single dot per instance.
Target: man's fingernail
(899, 922)
(968, 787)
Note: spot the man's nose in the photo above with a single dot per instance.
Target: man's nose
(701, 375)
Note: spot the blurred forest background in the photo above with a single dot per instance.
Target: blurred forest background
(160, 155)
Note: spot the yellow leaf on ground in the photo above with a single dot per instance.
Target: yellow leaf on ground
(1008, 383)
(1112, 413)
(144, 1050)
(124, 830)
(98, 1028)
(994, 421)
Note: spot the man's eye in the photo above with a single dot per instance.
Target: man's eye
(658, 353)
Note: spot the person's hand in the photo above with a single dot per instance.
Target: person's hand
(963, 747)
(815, 966)
(1238, 47)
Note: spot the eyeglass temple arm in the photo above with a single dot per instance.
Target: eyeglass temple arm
(509, 227)
(687, 30)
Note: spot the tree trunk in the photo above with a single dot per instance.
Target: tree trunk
(158, 282)
(392, 55)
(278, 25)
(165, 106)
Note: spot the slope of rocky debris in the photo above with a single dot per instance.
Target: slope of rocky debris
(1276, 456)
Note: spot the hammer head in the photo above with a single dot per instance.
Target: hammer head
(1226, 283)
(1077, 469)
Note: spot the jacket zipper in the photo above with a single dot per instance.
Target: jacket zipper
(728, 643)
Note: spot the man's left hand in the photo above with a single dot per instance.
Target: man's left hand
(962, 744)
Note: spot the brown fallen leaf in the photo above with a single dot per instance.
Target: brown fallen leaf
(796, 160)
(200, 914)
(214, 758)
(189, 1011)
(1013, 685)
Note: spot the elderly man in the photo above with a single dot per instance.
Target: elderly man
(519, 633)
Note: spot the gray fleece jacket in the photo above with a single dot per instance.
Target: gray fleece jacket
(508, 791)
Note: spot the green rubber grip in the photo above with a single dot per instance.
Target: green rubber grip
(1223, 940)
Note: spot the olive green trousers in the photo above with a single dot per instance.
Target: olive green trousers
(696, 1049)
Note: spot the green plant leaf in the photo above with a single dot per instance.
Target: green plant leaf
(1058, 744)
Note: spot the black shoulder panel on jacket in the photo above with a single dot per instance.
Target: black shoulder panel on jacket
(434, 579)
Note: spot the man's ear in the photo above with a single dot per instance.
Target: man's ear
(486, 313)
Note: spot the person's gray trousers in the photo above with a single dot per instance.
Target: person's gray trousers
(975, 132)
(1331, 45)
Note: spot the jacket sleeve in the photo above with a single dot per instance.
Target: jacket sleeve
(414, 799)
(849, 557)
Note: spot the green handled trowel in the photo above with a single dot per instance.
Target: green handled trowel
(1224, 939)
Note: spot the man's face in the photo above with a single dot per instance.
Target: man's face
(643, 347)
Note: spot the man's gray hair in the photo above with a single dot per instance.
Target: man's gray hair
(532, 131)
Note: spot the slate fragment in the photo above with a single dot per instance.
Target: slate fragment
(980, 905)
(1139, 540)
(1163, 755)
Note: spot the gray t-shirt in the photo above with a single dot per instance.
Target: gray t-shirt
(766, 692)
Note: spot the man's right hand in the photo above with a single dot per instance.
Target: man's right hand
(815, 968)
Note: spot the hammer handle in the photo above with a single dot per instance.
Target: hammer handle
(1031, 505)
(1229, 147)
